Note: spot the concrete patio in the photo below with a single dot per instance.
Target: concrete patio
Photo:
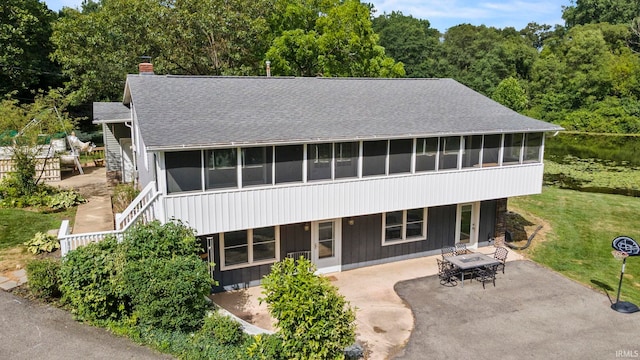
(384, 321)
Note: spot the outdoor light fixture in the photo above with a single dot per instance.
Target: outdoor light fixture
(306, 226)
(624, 247)
(351, 221)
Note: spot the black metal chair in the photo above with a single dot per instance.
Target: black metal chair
(461, 249)
(486, 274)
(447, 273)
(501, 255)
(448, 251)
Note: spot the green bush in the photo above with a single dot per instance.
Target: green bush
(222, 328)
(42, 242)
(265, 347)
(314, 320)
(156, 240)
(169, 294)
(88, 282)
(43, 278)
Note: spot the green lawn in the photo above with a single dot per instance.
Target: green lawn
(18, 226)
(578, 244)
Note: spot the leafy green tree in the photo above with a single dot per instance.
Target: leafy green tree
(211, 37)
(98, 47)
(410, 41)
(510, 94)
(25, 28)
(314, 320)
(600, 11)
(332, 38)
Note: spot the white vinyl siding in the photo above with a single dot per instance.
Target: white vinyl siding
(220, 211)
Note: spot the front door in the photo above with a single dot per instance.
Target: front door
(326, 246)
(466, 224)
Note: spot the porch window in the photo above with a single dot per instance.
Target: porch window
(374, 154)
(471, 155)
(491, 150)
(319, 161)
(449, 150)
(184, 171)
(221, 169)
(532, 146)
(512, 149)
(289, 163)
(256, 166)
(426, 152)
(400, 156)
(249, 247)
(403, 226)
(346, 160)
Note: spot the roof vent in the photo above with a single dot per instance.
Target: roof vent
(145, 68)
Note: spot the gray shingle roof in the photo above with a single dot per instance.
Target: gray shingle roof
(178, 111)
(110, 111)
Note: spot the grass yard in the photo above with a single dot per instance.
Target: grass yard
(18, 226)
(578, 245)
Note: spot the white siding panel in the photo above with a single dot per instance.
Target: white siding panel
(213, 212)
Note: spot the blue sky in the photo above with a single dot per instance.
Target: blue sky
(443, 14)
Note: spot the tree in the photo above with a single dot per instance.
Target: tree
(24, 34)
(410, 41)
(211, 37)
(26, 129)
(600, 11)
(314, 321)
(97, 48)
(333, 39)
(510, 94)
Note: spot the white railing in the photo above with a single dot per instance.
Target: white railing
(143, 209)
(140, 207)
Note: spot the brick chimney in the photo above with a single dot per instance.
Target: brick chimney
(145, 68)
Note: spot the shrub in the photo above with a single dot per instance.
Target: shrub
(155, 240)
(89, 282)
(265, 347)
(169, 294)
(42, 242)
(314, 320)
(223, 329)
(43, 278)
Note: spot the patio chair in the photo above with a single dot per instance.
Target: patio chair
(461, 249)
(448, 251)
(486, 274)
(501, 255)
(447, 273)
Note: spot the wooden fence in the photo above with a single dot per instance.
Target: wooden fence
(47, 168)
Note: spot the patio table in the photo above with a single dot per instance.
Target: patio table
(471, 261)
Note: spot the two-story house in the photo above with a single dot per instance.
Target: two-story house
(348, 172)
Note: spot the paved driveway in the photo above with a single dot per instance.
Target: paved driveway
(532, 313)
(33, 331)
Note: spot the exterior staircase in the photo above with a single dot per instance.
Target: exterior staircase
(145, 208)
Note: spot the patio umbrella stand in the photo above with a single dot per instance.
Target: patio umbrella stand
(624, 247)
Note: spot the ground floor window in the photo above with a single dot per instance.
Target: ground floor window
(249, 247)
(404, 226)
